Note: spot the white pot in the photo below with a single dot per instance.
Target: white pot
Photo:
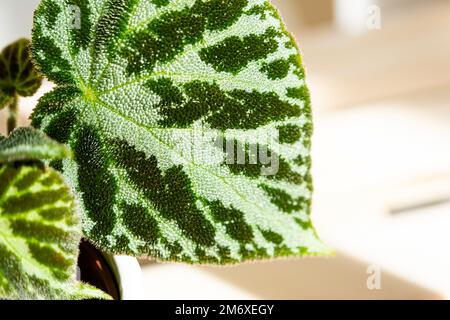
(119, 276)
(128, 275)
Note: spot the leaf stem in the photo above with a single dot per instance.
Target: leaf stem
(13, 113)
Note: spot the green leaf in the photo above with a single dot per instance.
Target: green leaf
(39, 236)
(146, 91)
(17, 72)
(5, 99)
(28, 144)
(40, 230)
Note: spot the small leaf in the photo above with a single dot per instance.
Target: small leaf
(39, 236)
(40, 229)
(144, 89)
(17, 72)
(27, 144)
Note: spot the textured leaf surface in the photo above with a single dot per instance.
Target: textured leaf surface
(30, 144)
(39, 228)
(139, 82)
(17, 73)
(39, 236)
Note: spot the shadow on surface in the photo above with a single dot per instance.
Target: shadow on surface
(341, 277)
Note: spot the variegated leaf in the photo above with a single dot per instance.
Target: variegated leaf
(152, 95)
(27, 144)
(39, 234)
(17, 73)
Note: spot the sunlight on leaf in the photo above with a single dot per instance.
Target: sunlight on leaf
(145, 91)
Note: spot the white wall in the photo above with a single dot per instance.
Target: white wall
(16, 17)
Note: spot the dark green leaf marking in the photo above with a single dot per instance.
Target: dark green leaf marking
(52, 103)
(171, 194)
(48, 49)
(32, 200)
(50, 10)
(112, 24)
(164, 38)
(221, 110)
(284, 172)
(234, 54)
(233, 220)
(283, 200)
(277, 69)
(39, 236)
(290, 133)
(144, 89)
(139, 221)
(46, 255)
(160, 3)
(81, 27)
(272, 236)
(97, 186)
(17, 73)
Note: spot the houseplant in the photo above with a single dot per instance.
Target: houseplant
(189, 122)
(22, 171)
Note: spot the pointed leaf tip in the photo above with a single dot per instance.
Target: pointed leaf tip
(144, 86)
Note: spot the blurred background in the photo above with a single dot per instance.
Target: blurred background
(379, 74)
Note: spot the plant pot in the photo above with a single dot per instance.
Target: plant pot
(119, 276)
